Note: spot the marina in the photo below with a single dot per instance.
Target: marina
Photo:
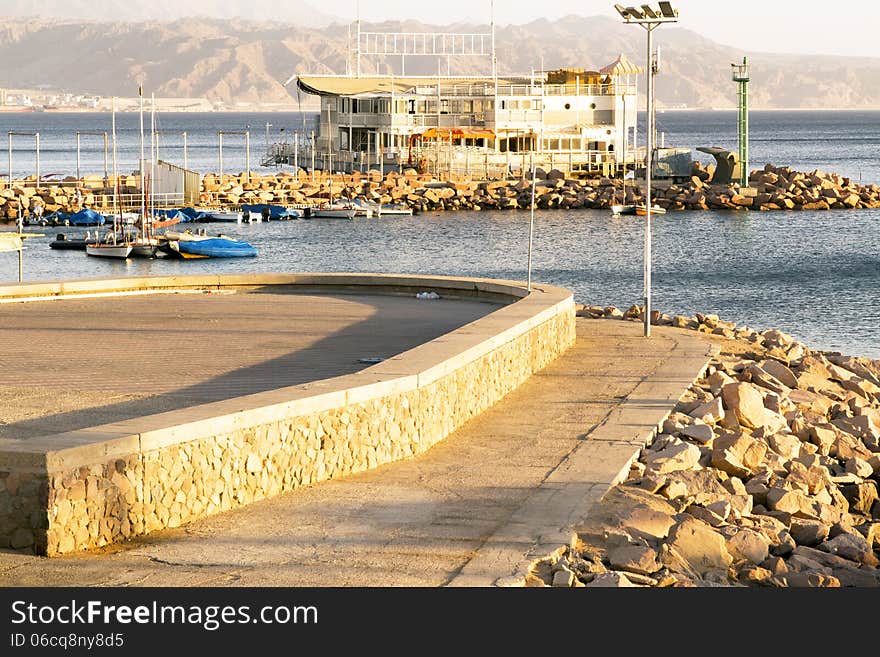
(425, 247)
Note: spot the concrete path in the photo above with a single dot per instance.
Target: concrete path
(471, 512)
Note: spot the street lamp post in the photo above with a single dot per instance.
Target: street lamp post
(649, 18)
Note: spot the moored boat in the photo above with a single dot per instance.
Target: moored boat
(642, 210)
(188, 245)
(118, 250)
(330, 212)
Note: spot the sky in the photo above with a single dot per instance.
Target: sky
(783, 26)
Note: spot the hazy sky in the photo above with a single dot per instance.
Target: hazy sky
(757, 25)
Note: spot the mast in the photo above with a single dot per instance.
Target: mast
(115, 170)
(143, 175)
(154, 156)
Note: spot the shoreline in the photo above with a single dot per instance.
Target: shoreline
(764, 474)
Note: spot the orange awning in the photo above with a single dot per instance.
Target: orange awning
(457, 133)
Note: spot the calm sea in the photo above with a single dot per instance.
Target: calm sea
(813, 274)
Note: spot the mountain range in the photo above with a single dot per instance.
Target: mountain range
(243, 60)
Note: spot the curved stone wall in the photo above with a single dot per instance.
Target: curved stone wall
(92, 487)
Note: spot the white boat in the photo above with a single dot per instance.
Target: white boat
(388, 210)
(118, 250)
(221, 216)
(621, 210)
(331, 212)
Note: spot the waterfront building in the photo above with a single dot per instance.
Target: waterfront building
(577, 120)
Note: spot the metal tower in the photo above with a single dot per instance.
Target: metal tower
(741, 77)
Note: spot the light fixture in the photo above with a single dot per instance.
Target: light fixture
(649, 19)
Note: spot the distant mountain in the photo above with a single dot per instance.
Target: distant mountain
(108, 11)
(248, 60)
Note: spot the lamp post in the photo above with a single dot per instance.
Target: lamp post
(649, 18)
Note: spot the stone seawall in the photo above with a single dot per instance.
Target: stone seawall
(93, 487)
(770, 188)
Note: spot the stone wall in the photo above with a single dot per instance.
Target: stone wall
(103, 485)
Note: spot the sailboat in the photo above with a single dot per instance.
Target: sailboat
(144, 244)
(623, 208)
(111, 246)
(330, 210)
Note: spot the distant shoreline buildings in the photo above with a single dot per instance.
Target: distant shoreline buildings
(574, 120)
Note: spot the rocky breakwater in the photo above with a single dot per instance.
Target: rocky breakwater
(770, 188)
(765, 474)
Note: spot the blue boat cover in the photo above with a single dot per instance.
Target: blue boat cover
(183, 214)
(275, 211)
(217, 247)
(85, 217)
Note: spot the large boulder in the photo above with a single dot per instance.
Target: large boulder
(702, 548)
(746, 402)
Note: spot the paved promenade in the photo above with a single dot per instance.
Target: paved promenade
(88, 361)
(470, 512)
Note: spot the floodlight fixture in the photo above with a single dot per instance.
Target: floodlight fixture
(668, 11)
(649, 12)
(622, 11)
(635, 13)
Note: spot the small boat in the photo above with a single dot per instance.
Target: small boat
(64, 243)
(144, 247)
(267, 212)
(118, 250)
(623, 210)
(212, 216)
(389, 210)
(642, 210)
(192, 246)
(331, 212)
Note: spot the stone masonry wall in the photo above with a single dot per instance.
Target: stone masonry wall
(98, 504)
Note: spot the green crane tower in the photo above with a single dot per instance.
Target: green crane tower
(741, 77)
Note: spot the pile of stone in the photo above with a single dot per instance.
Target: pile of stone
(772, 188)
(94, 192)
(765, 474)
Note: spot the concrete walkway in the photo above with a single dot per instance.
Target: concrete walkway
(505, 488)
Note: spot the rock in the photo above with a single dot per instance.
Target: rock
(860, 426)
(785, 445)
(711, 411)
(738, 455)
(746, 403)
(765, 380)
(683, 456)
(717, 381)
(701, 433)
(563, 578)
(780, 372)
(811, 580)
(808, 532)
(851, 546)
(810, 401)
(611, 580)
(859, 467)
(861, 497)
(703, 548)
(824, 437)
(647, 523)
(749, 545)
(633, 558)
(777, 338)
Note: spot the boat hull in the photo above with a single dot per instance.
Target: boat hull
(118, 251)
